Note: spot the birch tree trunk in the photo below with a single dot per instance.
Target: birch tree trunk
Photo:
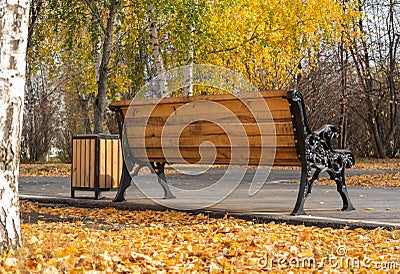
(343, 85)
(156, 53)
(188, 81)
(14, 16)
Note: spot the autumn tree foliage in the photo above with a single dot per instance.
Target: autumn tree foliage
(101, 51)
(361, 74)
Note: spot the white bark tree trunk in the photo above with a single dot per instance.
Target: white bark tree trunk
(188, 81)
(156, 52)
(14, 16)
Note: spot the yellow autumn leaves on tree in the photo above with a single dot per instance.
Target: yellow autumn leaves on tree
(269, 42)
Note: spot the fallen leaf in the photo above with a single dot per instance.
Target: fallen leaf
(115, 241)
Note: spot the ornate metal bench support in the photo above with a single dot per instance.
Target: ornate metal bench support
(315, 151)
(321, 156)
(162, 180)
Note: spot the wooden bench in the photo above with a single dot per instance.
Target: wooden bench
(279, 137)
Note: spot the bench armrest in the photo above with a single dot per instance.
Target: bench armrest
(327, 133)
(320, 153)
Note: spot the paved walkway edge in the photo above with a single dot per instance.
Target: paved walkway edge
(250, 216)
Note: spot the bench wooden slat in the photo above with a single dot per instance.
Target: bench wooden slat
(220, 140)
(243, 117)
(198, 110)
(201, 128)
(284, 152)
(223, 161)
(163, 109)
(275, 100)
(216, 98)
(192, 155)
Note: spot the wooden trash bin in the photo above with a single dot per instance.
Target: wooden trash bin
(96, 163)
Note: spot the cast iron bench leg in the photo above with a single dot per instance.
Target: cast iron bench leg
(301, 195)
(312, 181)
(342, 189)
(124, 183)
(162, 180)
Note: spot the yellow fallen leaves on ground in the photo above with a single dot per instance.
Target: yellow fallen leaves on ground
(377, 164)
(388, 179)
(47, 169)
(111, 241)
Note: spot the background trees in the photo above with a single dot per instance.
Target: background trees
(341, 54)
(376, 63)
(361, 73)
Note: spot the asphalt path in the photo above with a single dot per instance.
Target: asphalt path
(211, 193)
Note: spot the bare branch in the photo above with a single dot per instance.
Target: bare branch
(253, 36)
(96, 14)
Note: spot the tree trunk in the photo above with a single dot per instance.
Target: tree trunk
(84, 107)
(362, 63)
(377, 138)
(188, 81)
(393, 46)
(162, 86)
(14, 16)
(343, 86)
(28, 132)
(100, 103)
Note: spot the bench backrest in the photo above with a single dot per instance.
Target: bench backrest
(241, 130)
